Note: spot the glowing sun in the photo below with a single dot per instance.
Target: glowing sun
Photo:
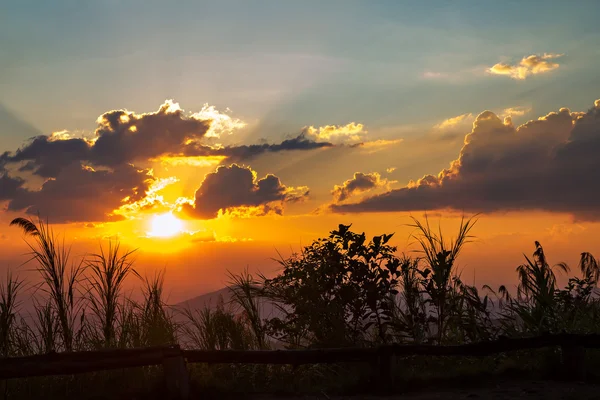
(165, 225)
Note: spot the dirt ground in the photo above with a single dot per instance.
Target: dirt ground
(533, 390)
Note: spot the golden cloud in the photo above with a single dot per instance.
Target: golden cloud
(192, 161)
(515, 111)
(375, 145)
(530, 65)
(221, 122)
(152, 201)
(454, 121)
(360, 183)
(350, 133)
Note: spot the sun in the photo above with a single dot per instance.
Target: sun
(165, 225)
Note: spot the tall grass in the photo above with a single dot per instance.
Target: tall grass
(409, 312)
(246, 292)
(59, 277)
(8, 313)
(153, 320)
(440, 258)
(217, 329)
(106, 274)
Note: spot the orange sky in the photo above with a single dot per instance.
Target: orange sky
(201, 216)
(242, 130)
(197, 267)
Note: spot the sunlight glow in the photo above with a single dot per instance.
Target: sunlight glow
(165, 225)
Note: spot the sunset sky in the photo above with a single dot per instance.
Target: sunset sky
(213, 135)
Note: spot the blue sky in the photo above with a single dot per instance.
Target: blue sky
(289, 64)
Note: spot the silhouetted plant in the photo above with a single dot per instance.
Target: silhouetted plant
(218, 329)
(410, 311)
(157, 324)
(8, 313)
(246, 294)
(440, 259)
(59, 282)
(335, 290)
(107, 272)
(47, 328)
(540, 307)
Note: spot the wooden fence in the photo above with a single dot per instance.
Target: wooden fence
(173, 359)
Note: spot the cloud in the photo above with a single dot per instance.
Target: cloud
(45, 156)
(192, 161)
(337, 134)
(453, 127)
(374, 146)
(82, 194)
(530, 65)
(247, 152)
(104, 176)
(9, 186)
(434, 75)
(221, 123)
(125, 137)
(360, 183)
(511, 112)
(454, 121)
(233, 187)
(515, 111)
(151, 202)
(548, 164)
(122, 137)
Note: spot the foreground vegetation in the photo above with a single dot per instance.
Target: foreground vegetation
(342, 290)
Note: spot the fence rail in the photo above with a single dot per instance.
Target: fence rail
(173, 359)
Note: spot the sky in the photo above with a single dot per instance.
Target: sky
(214, 136)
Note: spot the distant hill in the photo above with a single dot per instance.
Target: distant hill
(212, 299)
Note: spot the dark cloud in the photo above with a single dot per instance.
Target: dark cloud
(79, 194)
(361, 182)
(47, 157)
(121, 137)
(124, 137)
(549, 164)
(247, 152)
(9, 186)
(231, 187)
(88, 178)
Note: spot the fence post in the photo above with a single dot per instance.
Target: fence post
(177, 379)
(383, 370)
(573, 360)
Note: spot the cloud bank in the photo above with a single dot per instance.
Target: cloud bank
(548, 164)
